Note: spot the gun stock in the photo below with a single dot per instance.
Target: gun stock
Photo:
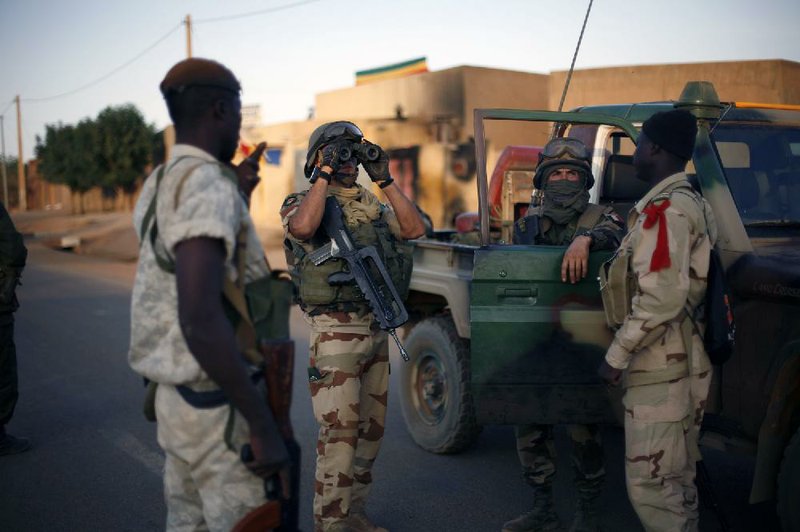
(278, 372)
(366, 268)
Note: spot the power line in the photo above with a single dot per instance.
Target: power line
(156, 43)
(251, 13)
(106, 76)
(7, 107)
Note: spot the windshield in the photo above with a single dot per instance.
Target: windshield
(762, 165)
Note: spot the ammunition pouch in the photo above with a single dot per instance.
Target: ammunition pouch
(618, 284)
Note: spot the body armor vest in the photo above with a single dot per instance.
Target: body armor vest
(312, 283)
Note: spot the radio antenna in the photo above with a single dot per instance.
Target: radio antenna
(575, 56)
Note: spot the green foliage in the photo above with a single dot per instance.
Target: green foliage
(124, 146)
(111, 152)
(68, 155)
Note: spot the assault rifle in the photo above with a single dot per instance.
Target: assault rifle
(365, 267)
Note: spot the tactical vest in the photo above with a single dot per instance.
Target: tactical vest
(312, 281)
(530, 229)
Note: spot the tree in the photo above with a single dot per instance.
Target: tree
(111, 152)
(69, 156)
(10, 163)
(125, 148)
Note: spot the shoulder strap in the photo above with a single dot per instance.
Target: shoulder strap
(151, 209)
(699, 200)
(166, 263)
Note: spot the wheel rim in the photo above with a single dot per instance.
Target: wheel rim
(430, 388)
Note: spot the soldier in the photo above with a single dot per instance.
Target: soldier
(349, 358)
(563, 217)
(657, 352)
(12, 261)
(195, 230)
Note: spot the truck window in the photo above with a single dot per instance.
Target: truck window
(762, 166)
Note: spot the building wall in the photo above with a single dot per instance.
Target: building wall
(426, 96)
(773, 81)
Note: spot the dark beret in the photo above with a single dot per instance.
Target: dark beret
(197, 72)
(675, 131)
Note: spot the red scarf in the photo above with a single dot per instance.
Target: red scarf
(655, 214)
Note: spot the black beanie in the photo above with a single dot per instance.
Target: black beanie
(674, 131)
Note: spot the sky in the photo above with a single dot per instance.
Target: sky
(70, 59)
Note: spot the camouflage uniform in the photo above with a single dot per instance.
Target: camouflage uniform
(348, 380)
(535, 445)
(666, 381)
(206, 484)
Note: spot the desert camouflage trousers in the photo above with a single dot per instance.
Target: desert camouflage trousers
(206, 486)
(662, 425)
(348, 379)
(537, 454)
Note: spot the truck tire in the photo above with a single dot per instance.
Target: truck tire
(789, 486)
(435, 388)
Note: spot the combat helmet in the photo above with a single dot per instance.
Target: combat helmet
(325, 134)
(564, 152)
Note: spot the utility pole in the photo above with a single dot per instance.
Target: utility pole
(188, 23)
(23, 193)
(3, 145)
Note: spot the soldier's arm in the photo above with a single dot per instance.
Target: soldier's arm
(608, 232)
(13, 253)
(199, 272)
(305, 221)
(662, 294)
(411, 224)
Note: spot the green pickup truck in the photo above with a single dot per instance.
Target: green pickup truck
(497, 338)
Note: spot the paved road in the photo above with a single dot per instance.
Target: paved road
(96, 464)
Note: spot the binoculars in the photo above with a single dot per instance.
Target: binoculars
(363, 152)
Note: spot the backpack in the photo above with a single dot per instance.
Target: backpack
(716, 309)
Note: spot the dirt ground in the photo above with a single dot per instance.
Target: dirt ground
(108, 235)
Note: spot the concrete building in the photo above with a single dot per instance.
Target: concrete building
(425, 121)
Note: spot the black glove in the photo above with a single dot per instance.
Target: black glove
(378, 169)
(330, 157)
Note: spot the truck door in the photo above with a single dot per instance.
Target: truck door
(536, 342)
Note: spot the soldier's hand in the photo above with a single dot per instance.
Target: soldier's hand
(378, 170)
(611, 375)
(328, 157)
(266, 455)
(575, 265)
(247, 171)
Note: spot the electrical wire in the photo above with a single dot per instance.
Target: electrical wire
(7, 107)
(251, 13)
(106, 76)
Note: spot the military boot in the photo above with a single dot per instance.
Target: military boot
(360, 522)
(542, 517)
(587, 517)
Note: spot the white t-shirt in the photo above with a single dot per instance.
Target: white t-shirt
(205, 203)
